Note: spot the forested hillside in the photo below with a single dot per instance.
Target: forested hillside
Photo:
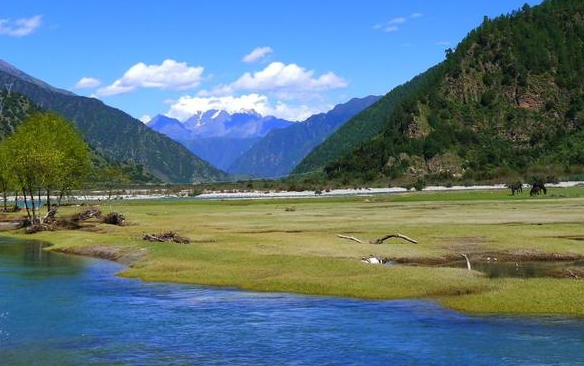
(281, 150)
(15, 108)
(113, 133)
(507, 102)
(361, 127)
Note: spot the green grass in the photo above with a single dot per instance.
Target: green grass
(258, 245)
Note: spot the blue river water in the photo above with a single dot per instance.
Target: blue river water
(58, 310)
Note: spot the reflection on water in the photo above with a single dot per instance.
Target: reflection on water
(28, 259)
(497, 269)
(57, 310)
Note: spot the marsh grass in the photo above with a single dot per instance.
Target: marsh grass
(259, 245)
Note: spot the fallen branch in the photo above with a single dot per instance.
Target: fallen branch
(350, 238)
(571, 273)
(87, 214)
(380, 240)
(114, 218)
(467, 261)
(389, 236)
(149, 237)
(50, 216)
(168, 236)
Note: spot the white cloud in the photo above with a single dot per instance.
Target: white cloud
(399, 20)
(257, 54)
(20, 27)
(394, 24)
(187, 106)
(145, 118)
(87, 83)
(286, 81)
(168, 75)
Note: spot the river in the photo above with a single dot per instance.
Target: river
(58, 310)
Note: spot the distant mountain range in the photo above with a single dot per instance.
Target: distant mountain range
(281, 150)
(248, 144)
(218, 136)
(113, 133)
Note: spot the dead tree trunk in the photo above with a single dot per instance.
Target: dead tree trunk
(50, 216)
(15, 201)
(34, 211)
(61, 194)
(468, 266)
(26, 205)
(389, 236)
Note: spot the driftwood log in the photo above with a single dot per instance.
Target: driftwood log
(86, 214)
(572, 274)
(389, 236)
(169, 236)
(50, 216)
(350, 238)
(468, 266)
(114, 218)
(380, 240)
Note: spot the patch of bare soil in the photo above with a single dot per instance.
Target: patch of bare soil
(463, 240)
(115, 253)
(11, 225)
(571, 237)
(534, 255)
(271, 231)
(575, 273)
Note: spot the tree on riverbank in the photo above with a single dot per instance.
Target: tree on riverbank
(6, 178)
(45, 153)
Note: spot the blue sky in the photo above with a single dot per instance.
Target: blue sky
(315, 53)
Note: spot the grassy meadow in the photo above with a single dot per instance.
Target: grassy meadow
(290, 245)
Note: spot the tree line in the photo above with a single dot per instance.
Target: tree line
(47, 157)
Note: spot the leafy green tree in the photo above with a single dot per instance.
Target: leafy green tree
(46, 153)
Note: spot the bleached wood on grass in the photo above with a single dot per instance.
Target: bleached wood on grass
(350, 238)
(389, 236)
(154, 238)
(468, 266)
(571, 273)
(379, 240)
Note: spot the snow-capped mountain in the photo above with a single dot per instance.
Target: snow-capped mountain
(216, 135)
(244, 124)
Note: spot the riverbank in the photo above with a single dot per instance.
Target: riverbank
(291, 245)
(239, 194)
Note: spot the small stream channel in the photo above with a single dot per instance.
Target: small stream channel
(498, 269)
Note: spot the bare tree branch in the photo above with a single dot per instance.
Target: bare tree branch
(389, 236)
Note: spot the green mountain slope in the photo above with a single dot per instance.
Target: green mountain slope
(113, 133)
(361, 127)
(509, 101)
(282, 149)
(15, 108)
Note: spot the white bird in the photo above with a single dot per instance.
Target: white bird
(371, 260)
